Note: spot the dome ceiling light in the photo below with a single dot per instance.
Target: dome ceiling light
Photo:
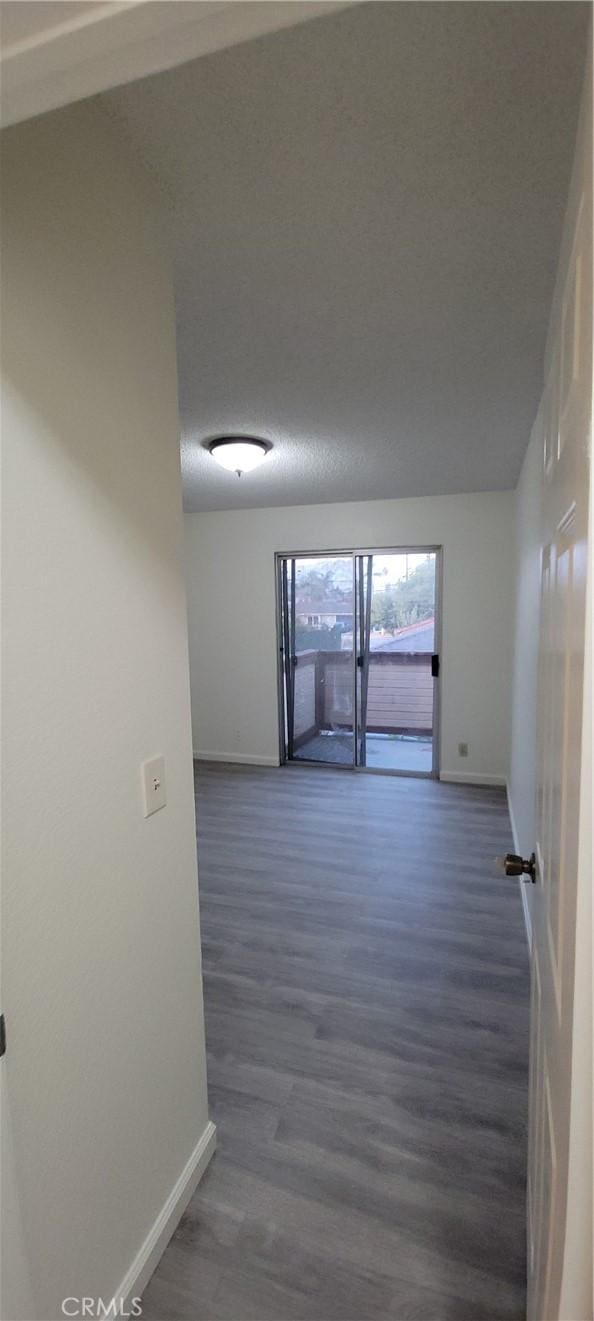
(239, 454)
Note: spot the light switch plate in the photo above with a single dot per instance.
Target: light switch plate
(154, 794)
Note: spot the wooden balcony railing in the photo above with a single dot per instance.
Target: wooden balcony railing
(399, 693)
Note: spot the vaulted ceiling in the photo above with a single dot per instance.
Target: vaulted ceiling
(366, 214)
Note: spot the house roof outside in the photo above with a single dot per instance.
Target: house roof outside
(413, 637)
(304, 606)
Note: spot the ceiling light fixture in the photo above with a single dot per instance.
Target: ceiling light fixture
(239, 454)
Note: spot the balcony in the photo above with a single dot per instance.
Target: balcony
(398, 714)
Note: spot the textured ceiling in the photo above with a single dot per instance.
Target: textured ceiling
(366, 212)
(32, 20)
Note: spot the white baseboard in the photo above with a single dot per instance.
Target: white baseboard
(244, 758)
(523, 885)
(472, 777)
(147, 1258)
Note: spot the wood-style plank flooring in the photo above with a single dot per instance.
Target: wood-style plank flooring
(366, 983)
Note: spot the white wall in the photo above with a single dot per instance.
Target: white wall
(231, 602)
(105, 1098)
(522, 777)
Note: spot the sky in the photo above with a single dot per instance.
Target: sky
(387, 569)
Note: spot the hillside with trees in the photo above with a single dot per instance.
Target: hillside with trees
(405, 602)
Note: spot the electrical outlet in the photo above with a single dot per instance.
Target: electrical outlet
(462, 749)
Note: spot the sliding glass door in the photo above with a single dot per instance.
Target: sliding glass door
(316, 641)
(398, 660)
(359, 659)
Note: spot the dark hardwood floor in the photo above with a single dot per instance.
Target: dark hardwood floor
(366, 982)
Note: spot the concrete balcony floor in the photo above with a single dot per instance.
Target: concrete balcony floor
(393, 752)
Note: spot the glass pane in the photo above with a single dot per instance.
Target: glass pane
(322, 660)
(397, 687)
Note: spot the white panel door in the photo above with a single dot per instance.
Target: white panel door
(567, 427)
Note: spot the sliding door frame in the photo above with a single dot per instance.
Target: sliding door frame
(351, 553)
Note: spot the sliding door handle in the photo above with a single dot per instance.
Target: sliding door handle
(435, 667)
